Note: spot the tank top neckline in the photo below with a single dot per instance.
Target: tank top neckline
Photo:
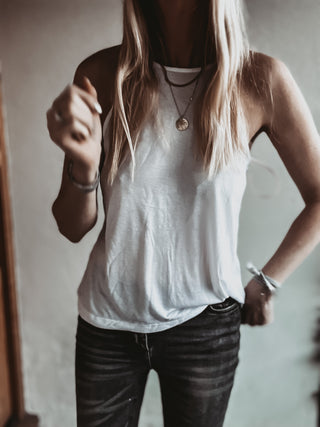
(158, 66)
(181, 69)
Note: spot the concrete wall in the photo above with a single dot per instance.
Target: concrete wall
(41, 43)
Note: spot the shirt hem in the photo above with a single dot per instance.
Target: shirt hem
(105, 323)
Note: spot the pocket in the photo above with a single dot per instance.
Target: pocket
(227, 306)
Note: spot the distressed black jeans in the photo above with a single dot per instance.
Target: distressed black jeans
(195, 361)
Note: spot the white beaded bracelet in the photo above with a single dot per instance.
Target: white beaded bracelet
(83, 187)
(262, 278)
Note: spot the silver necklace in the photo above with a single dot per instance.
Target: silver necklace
(182, 122)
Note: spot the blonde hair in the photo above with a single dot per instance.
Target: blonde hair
(220, 123)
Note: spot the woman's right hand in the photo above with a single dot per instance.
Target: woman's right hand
(74, 124)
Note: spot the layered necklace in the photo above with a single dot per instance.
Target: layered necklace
(182, 122)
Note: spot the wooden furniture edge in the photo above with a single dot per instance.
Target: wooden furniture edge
(21, 418)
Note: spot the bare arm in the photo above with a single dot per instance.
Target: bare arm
(79, 136)
(293, 133)
(75, 212)
(295, 137)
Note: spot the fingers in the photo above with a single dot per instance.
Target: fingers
(74, 109)
(73, 93)
(73, 113)
(63, 131)
(257, 311)
(256, 319)
(253, 318)
(87, 86)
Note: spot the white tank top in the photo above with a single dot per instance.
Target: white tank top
(168, 245)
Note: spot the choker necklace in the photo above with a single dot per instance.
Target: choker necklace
(182, 123)
(180, 85)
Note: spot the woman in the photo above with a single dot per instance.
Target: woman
(179, 105)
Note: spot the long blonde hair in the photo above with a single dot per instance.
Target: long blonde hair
(220, 121)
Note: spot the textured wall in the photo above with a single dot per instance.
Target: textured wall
(41, 43)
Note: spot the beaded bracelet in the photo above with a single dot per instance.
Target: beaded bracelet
(262, 278)
(84, 187)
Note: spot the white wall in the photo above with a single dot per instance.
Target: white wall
(41, 43)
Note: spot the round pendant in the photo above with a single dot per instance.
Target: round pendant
(182, 124)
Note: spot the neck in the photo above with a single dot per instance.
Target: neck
(183, 24)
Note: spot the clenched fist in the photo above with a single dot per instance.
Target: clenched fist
(74, 124)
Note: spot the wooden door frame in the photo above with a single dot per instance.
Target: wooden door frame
(19, 417)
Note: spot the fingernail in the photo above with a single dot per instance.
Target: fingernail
(97, 107)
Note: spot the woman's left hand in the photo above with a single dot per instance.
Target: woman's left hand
(258, 306)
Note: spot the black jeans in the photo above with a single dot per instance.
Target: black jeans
(195, 362)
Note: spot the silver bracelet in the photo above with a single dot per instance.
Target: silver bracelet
(84, 187)
(262, 278)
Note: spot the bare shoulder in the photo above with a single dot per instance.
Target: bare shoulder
(99, 62)
(269, 75)
(257, 73)
(263, 78)
(289, 125)
(283, 91)
(100, 68)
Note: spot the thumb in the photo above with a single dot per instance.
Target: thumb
(86, 85)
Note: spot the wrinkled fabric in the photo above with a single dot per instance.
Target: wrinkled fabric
(168, 245)
(195, 361)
